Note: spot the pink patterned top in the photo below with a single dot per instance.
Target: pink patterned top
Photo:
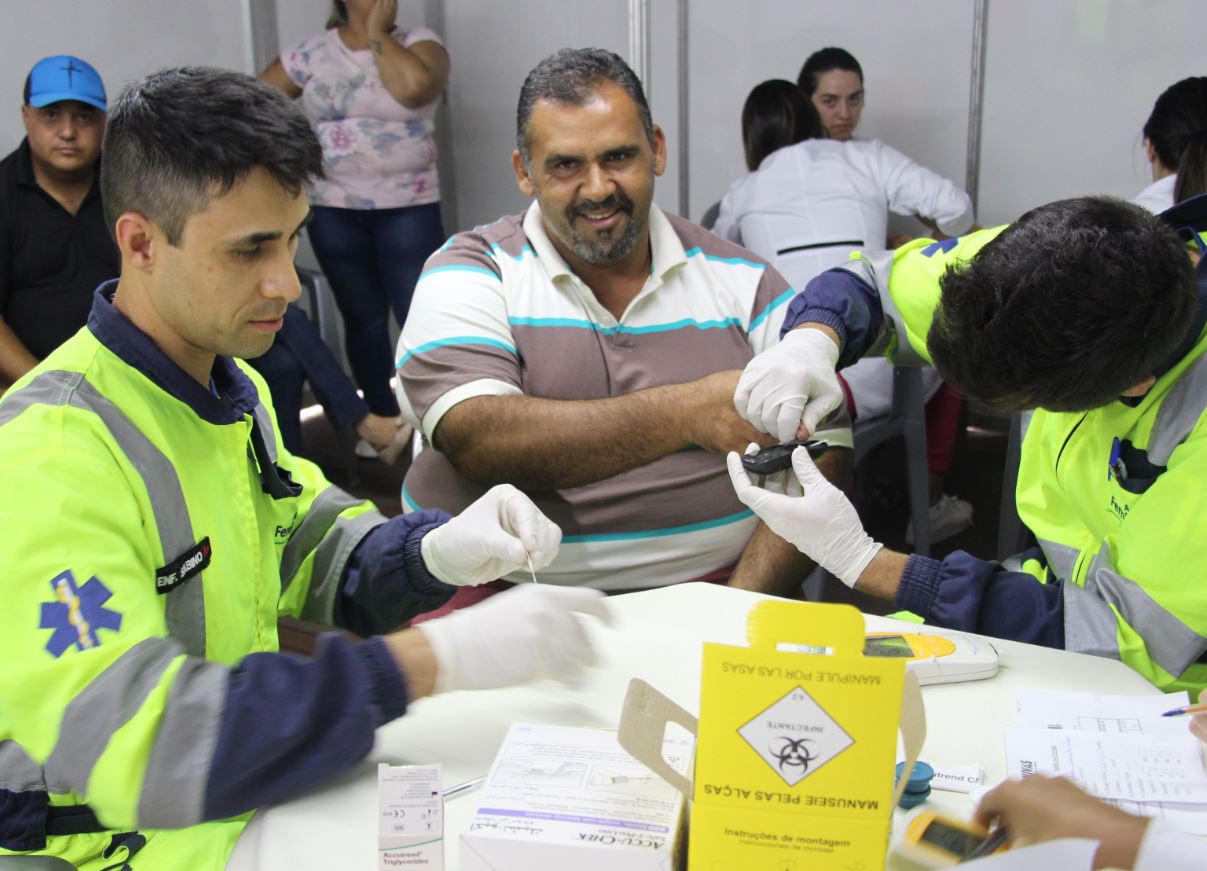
(377, 153)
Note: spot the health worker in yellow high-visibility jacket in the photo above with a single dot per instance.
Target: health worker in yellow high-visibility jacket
(1090, 314)
(152, 532)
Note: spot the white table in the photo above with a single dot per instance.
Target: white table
(657, 636)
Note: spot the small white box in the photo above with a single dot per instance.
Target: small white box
(410, 822)
(562, 798)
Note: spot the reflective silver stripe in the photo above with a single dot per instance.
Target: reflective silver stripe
(264, 421)
(1090, 624)
(1179, 413)
(173, 790)
(325, 508)
(104, 706)
(329, 561)
(1024, 421)
(1061, 558)
(184, 608)
(875, 272)
(18, 772)
(1171, 643)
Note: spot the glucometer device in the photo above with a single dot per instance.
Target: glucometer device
(936, 658)
(776, 458)
(940, 842)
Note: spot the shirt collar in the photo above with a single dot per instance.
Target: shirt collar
(667, 251)
(237, 395)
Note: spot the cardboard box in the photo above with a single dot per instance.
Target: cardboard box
(562, 798)
(795, 743)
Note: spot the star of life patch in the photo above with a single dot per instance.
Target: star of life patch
(76, 614)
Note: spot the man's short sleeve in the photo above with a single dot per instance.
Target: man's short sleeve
(457, 343)
(771, 299)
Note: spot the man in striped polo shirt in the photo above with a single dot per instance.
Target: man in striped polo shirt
(587, 352)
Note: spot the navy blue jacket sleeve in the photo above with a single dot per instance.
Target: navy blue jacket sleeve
(963, 592)
(289, 724)
(844, 302)
(386, 581)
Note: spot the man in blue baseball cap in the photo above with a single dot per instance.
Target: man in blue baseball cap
(55, 247)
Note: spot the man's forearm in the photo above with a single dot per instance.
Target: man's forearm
(544, 444)
(15, 358)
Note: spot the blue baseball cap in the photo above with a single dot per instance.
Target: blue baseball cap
(63, 77)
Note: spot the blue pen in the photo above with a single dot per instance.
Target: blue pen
(1189, 709)
(1115, 463)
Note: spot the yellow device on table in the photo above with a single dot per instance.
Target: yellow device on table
(795, 751)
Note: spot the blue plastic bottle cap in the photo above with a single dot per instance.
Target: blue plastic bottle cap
(919, 777)
(913, 799)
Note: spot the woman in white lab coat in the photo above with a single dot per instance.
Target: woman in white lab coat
(808, 202)
(1175, 142)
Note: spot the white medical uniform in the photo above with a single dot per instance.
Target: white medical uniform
(808, 206)
(1158, 196)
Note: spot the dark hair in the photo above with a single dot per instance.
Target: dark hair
(776, 114)
(1177, 129)
(1071, 305)
(173, 136)
(821, 62)
(573, 76)
(338, 15)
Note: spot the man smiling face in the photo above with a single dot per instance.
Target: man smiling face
(591, 168)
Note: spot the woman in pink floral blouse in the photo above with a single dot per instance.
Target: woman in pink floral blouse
(371, 88)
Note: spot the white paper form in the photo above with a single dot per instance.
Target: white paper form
(1127, 767)
(1118, 715)
(1092, 712)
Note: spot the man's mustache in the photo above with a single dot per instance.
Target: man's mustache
(614, 202)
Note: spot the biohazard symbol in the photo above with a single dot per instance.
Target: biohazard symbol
(792, 753)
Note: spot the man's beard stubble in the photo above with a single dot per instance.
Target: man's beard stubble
(606, 249)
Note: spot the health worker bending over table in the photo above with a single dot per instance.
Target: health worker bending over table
(153, 532)
(587, 351)
(1088, 311)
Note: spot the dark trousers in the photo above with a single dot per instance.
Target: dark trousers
(299, 355)
(373, 257)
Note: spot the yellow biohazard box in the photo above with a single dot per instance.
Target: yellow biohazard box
(796, 744)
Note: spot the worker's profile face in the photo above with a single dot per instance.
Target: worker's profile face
(838, 99)
(224, 288)
(65, 136)
(592, 171)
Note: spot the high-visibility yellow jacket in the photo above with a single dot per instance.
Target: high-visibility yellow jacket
(1121, 546)
(150, 536)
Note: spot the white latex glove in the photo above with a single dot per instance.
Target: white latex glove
(529, 632)
(822, 523)
(790, 385)
(492, 537)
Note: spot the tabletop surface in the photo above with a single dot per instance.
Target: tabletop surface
(655, 635)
